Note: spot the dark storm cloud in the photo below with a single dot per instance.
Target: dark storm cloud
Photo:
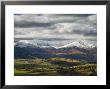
(75, 15)
(90, 33)
(56, 25)
(46, 21)
(86, 32)
(25, 24)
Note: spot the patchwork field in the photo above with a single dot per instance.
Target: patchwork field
(54, 67)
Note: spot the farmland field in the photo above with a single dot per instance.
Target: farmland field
(53, 67)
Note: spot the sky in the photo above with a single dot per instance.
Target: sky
(60, 26)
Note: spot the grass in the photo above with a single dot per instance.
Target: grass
(53, 67)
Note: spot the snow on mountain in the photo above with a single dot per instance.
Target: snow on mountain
(80, 44)
(56, 43)
(23, 43)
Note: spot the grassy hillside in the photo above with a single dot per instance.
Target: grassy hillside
(53, 67)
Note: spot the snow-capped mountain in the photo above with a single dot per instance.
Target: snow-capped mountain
(81, 44)
(56, 43)
(23, 43)
(44, 49)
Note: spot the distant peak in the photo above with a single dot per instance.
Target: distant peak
(56, 43)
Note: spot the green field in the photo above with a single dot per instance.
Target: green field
(53, 67)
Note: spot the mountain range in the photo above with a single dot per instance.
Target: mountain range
(56, 44)
(73, 49)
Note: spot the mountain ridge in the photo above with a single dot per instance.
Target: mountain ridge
(57, 44)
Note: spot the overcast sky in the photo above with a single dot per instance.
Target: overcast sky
(61, 26)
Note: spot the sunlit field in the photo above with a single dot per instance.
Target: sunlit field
(54, 67)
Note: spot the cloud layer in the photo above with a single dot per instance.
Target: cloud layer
(68, 26)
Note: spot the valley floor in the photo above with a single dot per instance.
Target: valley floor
(53, 67)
